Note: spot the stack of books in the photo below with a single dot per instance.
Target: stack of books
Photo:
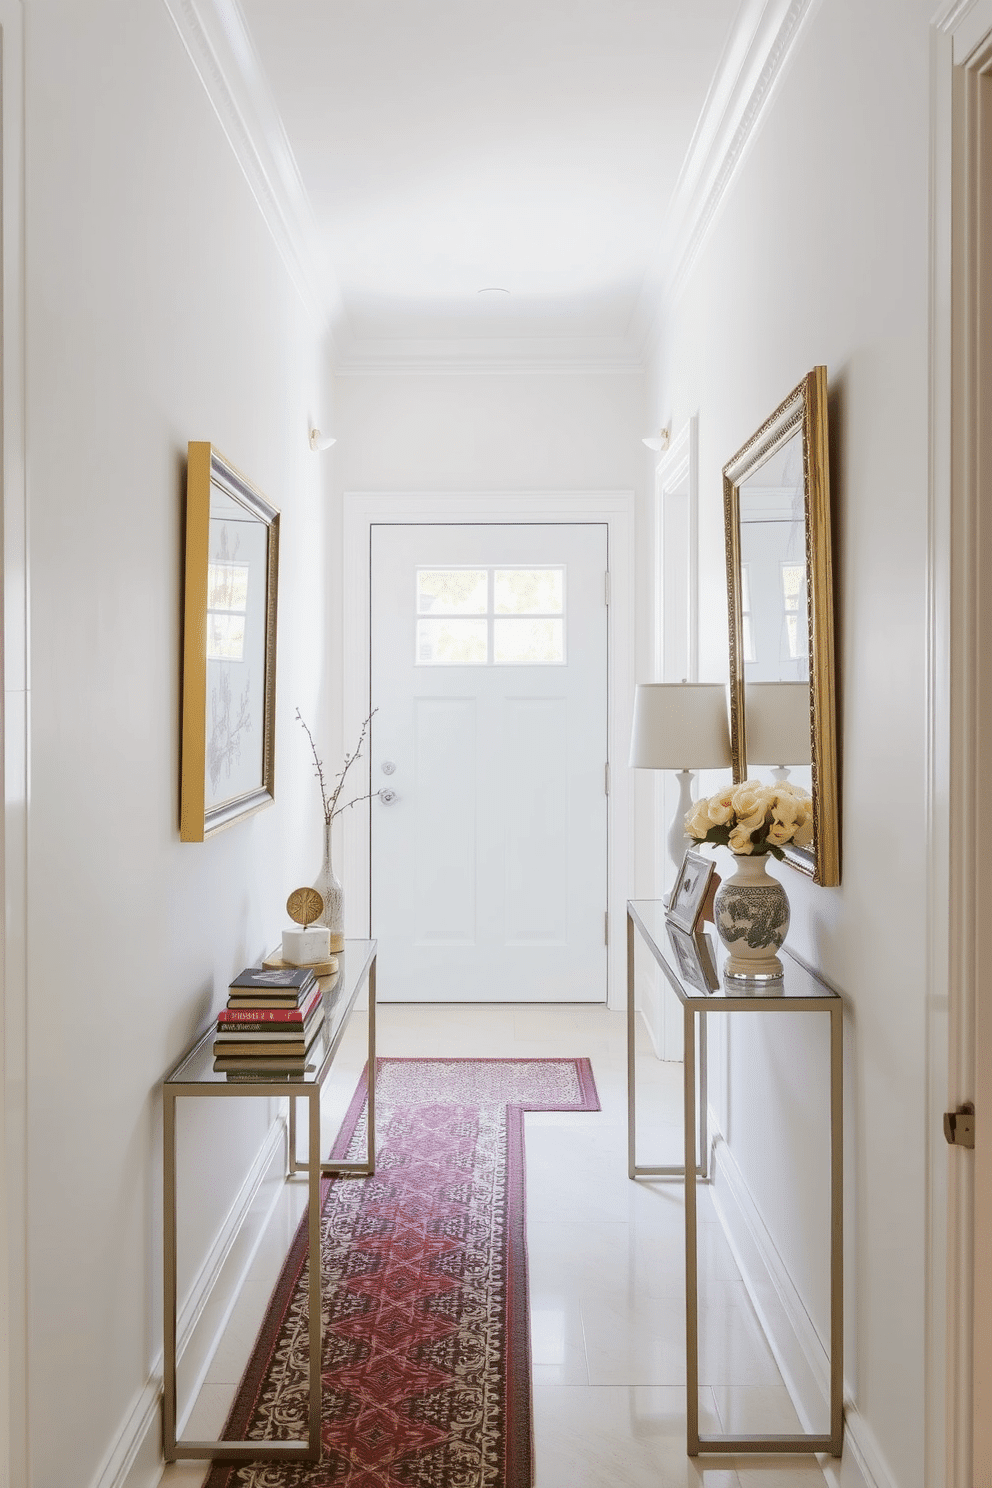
(271, 1019)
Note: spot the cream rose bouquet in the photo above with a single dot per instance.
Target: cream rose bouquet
(753, 818)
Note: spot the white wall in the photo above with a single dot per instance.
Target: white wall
(820, 255)
(530, 431)
(157, 311)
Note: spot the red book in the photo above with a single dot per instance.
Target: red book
(255, 1018)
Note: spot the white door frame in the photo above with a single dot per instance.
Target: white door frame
(14, 1465)
(959, 991)
(615, 509)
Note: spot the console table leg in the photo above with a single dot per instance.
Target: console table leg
(169, 1314)
(631, 1103)
(837, 1229)
(691, 1277)
(370, 1134)
(316, 1315)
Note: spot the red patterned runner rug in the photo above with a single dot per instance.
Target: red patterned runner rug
(426, 1359)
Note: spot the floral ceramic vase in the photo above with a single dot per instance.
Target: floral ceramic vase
(328, 886)
(751, 910)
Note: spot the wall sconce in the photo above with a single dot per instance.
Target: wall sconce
(680, 726)
(659, 441)
(320, 441)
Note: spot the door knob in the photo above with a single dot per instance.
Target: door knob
(387, 797)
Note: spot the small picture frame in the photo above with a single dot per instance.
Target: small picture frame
(694, 958)
(689, 891)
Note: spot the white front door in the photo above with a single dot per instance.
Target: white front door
(489, 676)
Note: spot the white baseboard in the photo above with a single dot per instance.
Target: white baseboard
(135, 1458)
(799, 1351)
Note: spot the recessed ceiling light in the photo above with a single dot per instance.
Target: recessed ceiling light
(493, 289)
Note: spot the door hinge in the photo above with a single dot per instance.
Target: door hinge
(606, 928)
(606, 778)
(959, 1126)
(606, 595)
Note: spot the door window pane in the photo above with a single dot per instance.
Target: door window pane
(452, 591)
(452, 642)
(528, 591)
(522, 642)
(517, 616)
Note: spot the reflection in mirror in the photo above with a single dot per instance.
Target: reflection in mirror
(780, 594)
(777, 718)
(775, 629)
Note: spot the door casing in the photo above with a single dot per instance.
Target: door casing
(959, 746)
(616, 510)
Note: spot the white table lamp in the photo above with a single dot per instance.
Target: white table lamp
(776, 722)
(680, 726)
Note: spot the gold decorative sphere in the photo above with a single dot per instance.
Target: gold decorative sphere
(305, 906)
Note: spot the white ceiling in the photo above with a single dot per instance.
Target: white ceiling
(446, 146)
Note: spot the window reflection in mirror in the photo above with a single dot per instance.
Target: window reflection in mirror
(775, 633)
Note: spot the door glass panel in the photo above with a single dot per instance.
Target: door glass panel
(520, 642)
(452, 591)
(528, 591)
(452, 642)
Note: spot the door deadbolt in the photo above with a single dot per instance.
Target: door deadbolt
(388, 767)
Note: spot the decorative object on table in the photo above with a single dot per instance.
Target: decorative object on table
(271, 1019)
(776, 501)
(328, 885)
(777, 715)
(307, 943)
(275, 962)
(229, 647)
(751, 908)
(694, 956)
(689, 891)
(425, 1363)
(680, 726)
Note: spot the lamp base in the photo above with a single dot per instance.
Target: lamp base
(677, 839)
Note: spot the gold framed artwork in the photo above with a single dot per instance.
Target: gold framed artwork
(229, 647)
(776, 493)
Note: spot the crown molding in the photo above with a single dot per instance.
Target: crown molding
(764, 36)
(216, 37)
(951, 13)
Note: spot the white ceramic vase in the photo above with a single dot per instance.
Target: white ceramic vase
(751, 909)
(328, 886)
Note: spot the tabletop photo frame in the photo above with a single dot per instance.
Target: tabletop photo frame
(694, 958)
(689, 891)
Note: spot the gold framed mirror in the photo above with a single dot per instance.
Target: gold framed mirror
(776, 502)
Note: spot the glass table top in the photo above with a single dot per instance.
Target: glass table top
(340, 992)
(797, 988)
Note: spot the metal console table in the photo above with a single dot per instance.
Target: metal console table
(799, 991)
(196, 1076)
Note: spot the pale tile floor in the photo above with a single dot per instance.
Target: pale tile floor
(606, 1271)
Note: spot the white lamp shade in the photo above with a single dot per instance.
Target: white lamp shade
(680, 726)
(776, 721)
